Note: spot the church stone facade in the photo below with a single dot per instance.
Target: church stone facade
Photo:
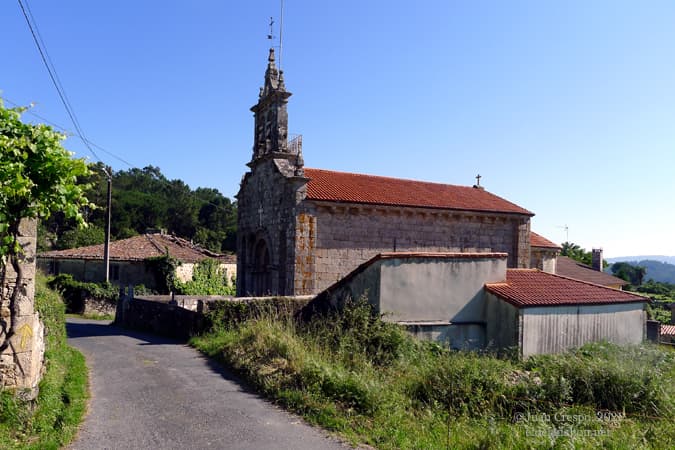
(301, 229)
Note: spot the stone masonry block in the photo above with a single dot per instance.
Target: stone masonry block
(28, 227)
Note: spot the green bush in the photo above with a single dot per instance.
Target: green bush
(208, 278)
(351, 372)
(356, 331)
(607, 376)
(74, 292)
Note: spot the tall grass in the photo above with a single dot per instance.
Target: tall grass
(366, 379)
(51, 420)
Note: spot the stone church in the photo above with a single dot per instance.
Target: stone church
(302, 229)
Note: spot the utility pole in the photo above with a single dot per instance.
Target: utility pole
(106, 245)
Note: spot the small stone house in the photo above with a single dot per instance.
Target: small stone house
(128, 260)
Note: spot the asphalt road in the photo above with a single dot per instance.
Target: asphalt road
(149, 392)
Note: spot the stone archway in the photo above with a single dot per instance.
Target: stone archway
(262, 276)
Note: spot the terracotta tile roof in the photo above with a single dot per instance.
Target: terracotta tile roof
(667, 330)
(537, 240)
(140, 247)
(532, 287)
(328, 185)
(570, 268)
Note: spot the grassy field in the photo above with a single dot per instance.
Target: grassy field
(369, 382)
(51, 421)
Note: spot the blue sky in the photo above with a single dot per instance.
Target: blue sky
(566, 108)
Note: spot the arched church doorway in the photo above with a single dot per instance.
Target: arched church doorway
(262, 279)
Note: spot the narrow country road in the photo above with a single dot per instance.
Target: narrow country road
(149, 392)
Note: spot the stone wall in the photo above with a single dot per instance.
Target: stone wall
(334, 239)
(266, 209)
(22, 362)
(543, 259)
(185, 316)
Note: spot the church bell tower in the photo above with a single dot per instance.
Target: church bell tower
(271, 119)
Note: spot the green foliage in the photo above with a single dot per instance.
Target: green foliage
(208, 278)
(574, 251)
(74, 292)
(164, 270)
(608, 377)
(657, 270)
(658, 288)
(81, 237)
(37, 176)
(402, 393)
(52, 420)
(357, 331)
(628, 272)
(144, 199)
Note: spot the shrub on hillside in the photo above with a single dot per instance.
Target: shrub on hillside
(356, 332)
(74, 292)
(607, 376)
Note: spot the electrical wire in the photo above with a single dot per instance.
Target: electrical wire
(46, 59)
(32, 26)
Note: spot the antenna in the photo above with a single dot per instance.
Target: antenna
(281, 30)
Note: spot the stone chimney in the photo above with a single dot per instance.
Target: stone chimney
(596, 260)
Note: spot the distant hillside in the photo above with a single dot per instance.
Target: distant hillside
(661, 258)
(656, 270)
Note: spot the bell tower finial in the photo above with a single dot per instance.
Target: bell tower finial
(271, 116)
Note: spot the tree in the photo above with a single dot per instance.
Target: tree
(37, 177)
(574, 251)
(81, 237)
(632, 273)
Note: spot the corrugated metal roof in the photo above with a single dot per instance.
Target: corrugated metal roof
(532, 287)
(334, 186)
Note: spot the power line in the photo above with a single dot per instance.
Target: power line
(60, 127)
(32, 26)
(67, 131)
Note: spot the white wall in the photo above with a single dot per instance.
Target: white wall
(448, 289)
(556, 329)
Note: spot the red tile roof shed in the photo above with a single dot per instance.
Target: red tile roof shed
(537, 240)
(531, 287)
(328, 185)
(138, 248)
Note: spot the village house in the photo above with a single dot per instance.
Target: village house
(129, 260)
(545, 256)
(452, 263)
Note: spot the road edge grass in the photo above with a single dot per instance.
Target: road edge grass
(52, 419)
(370, 383)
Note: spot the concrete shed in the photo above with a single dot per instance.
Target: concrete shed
(437, 296)
(539, 312)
